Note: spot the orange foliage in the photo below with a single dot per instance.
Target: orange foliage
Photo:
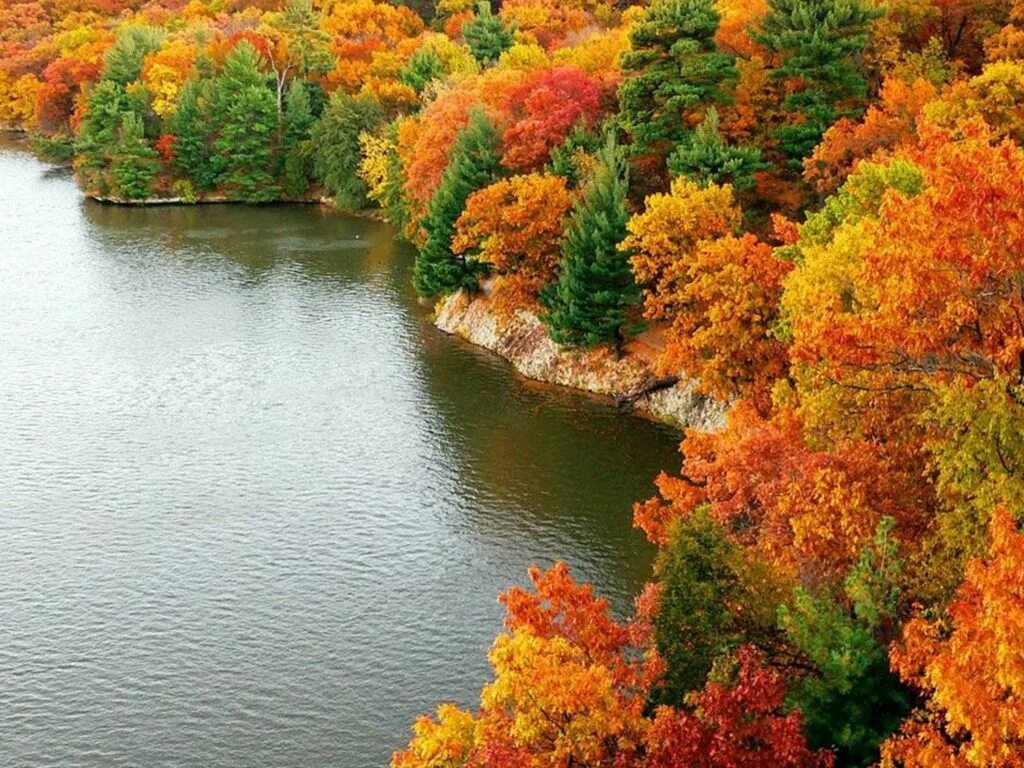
(974, 673)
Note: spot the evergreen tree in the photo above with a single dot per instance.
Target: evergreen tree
(705, 157)
(245, 111)
(816, 43)
(673, 70)
(592, 301)
(122, 62)
(487, 35)
(334, 141)
(473, 165)
(569, 158)
(190, 126)
(135, 162)
(852, 701)
(298, 119)
(98, 134)
(424, 67)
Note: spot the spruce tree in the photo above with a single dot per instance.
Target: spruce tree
(817, 43)
(298, 119)
(473, 165)
(122, 62)
(134, 163)
(705, 157)
(592, 301)
(245, 111)
(424, 67)
(672, 70)
(191, 126)
(334, 142)
(487, 35)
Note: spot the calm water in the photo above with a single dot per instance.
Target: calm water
(254, 509)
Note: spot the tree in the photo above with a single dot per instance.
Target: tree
(816, 43)
(134, 164)
(473, 165)
(486, 35)
(297, 165)
(516, 226)
(542, 109)
(191, 129)
(851, 701)
(736, 722)
(99, 134)
(704, 157)
(970, 664)
(123, 61)
(246, 116)
(593, 299)
(334, 140)
(673, 72)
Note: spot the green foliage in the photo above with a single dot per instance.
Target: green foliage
(423, 67)
(123, 60)
(99, 133)
(705, 157)
(487, 35)
(817, 42)
(334, 141)
(569, 159)
(673, 69)
(298, 119)
(473, 165)
(190, 126)
(134, 164)
(53, 149)
(593, 300)
(392, 201)
(694, 625)
(245, 111)
(308, 45)
(851, 702)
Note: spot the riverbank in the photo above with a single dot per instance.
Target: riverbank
(630, 380)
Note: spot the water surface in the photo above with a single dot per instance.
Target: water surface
(254, 508)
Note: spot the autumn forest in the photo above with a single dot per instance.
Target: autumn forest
(818, 205)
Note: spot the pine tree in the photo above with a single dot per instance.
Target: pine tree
(673, 70)
(122, 62)
(334, 141)
(98, 134)
(134, 163)
(424, 67)
(705, 157)
(245, 110)
(487, 35)
(473, 165)
(190, 126)
(298, 119)
(816, 43)
(592, 301)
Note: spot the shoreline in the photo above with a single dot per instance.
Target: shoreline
(629, 381)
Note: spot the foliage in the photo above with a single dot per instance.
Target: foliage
(334, 141)
(134, 165)
(593, 299)
(704, 157)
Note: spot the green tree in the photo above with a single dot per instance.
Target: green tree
(705, 157)
(424, 67)
(816, 44)
(122, 62)
(851, 702)
(568, 159)
(191, 126)
(297, 165)
(245, 111)
(487, 35)
(134, 164)
(595, 294)
(673, 70)
(334, 141)
(473, 165)
(99, 133)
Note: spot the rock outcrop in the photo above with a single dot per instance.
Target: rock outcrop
(630, 379)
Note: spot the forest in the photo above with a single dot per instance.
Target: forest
(820, 205)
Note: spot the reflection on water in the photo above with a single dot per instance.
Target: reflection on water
(255, 510)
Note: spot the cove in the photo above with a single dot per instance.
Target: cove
(255, 509)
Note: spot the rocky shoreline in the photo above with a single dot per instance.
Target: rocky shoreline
(629, 380)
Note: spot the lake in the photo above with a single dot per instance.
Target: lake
(255, 509)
